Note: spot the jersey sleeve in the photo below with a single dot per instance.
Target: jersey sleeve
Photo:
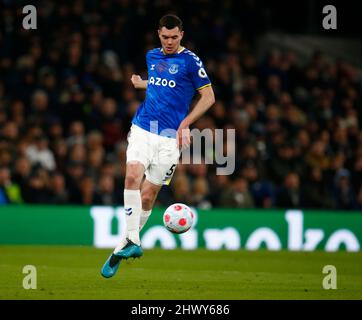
(197, 72)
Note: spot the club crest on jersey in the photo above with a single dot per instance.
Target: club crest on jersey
(173, 69)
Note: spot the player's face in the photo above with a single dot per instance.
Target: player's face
(170, 39)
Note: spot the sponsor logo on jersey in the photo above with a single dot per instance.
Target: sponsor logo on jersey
(156, 81)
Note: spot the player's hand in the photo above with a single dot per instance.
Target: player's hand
(183, 136)
(137, 81)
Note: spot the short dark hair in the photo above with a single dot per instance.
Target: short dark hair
(170, 21)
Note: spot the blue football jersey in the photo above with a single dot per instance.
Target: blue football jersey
(172, 82)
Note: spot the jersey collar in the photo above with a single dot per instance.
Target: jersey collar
(179, 50)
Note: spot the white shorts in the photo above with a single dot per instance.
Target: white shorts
(158, 154)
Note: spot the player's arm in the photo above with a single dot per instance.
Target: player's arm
(207, 99)
(138, 83)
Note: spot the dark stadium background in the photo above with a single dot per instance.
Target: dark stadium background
(291, 89)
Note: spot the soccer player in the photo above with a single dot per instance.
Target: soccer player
(159, 131)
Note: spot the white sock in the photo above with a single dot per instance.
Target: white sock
(133, 208)
(145, 214)
(122, 244)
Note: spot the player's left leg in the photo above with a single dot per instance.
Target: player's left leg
(149, 192)
(158, 174)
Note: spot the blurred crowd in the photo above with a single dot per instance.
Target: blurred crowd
(66, 104)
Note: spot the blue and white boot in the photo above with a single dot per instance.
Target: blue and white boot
(131, 250)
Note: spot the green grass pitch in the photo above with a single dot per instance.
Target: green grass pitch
(74, 273)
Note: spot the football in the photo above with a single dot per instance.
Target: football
(178, 218)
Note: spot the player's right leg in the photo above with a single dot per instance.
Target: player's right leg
(130, 245)
(139, 152)
(133, 208)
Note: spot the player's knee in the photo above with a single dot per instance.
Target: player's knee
(148, 198)
(132, 181)
(147, 201)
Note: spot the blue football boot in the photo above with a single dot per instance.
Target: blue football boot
(131, 250)
(110, 267)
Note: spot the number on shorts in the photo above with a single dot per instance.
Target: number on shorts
(169, 174)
